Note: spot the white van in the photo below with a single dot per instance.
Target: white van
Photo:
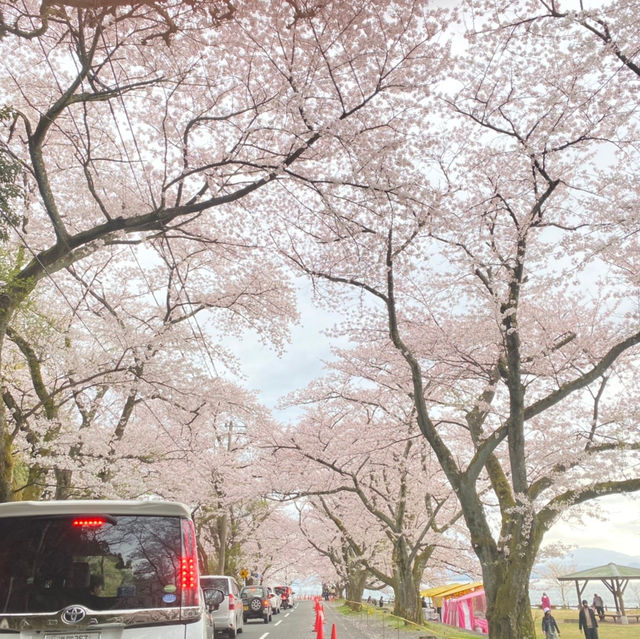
(276, 599)
(100, 570)
(228, 617)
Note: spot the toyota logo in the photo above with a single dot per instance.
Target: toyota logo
(73, 614)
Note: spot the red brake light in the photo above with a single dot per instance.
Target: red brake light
(232, 601)
(88, 522)
(189, 573)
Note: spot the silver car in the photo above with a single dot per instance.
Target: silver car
(228, 617)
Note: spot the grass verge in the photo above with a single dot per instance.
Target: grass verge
(377, 617)
(567, 621)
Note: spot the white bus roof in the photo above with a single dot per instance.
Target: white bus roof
(90, 506)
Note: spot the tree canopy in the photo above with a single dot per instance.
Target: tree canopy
(459, 182)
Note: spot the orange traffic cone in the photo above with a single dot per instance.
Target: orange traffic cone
(334, 632)
(320, 634)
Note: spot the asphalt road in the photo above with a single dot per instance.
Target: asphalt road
(299, 624)
(289, 624)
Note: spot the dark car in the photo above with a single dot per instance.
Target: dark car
(256, 603)
(286, 594)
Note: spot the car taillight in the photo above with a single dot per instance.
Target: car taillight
(232, 602)
(189, 565)
(88, 522)
(265, 603)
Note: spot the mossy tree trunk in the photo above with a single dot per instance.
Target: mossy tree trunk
(354, 587)
(12, 294)
(508, 606)
(409, 567)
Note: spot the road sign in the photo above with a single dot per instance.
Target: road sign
(244, 573)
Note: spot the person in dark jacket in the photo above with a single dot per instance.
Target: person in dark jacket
(549, 625)
(598, 605)
(587, 621)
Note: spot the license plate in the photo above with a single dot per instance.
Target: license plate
(73, 635)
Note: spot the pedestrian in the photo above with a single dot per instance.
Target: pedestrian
(549, 625)
(546, 602)
(587, 621)
(369, 600)
(381, 601)
(598, 604)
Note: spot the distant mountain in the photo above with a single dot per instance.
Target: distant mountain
(585, 558)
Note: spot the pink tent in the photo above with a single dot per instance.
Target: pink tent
(467, 611)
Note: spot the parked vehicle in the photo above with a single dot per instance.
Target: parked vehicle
(228, 617)
(101, 570)
(212, 598)
(286, 596)
(256, 603)
(276, 600)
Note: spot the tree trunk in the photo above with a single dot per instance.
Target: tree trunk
(6, 460)
(407, 576)
(506, 587)
(203, 558)
(11, 296)
(6, 438)
(221, 539)
(356, 580)
(28, 485)
(407, 600)
(63, 483)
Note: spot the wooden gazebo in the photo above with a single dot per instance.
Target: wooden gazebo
(613, 576)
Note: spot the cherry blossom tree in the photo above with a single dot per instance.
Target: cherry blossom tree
(141, 121)
(33, 19)
(356, 456)
(325, 534)
(90, 365)
(551, 570)
(318, 549)
(496, 254)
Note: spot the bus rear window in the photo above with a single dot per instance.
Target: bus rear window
(113, 562)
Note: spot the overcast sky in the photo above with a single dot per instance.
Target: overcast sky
(272, 377)
(616, 529)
